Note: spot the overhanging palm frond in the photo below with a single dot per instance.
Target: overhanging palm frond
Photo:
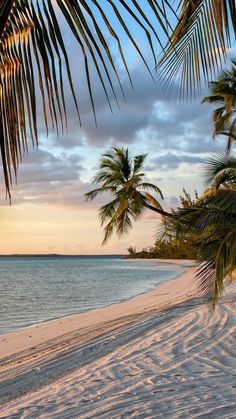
(33, 57)
(199, 43)
(220, 170)
(213, 221)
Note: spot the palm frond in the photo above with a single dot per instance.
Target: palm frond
(213, 99)
(199, 43)
(220, 169)
(213, 221)
(108, 211)
(151, 200)
(33, 56)
(108, 230)
(120, 219)
(223, 92)
(90, 196)
(124, 222)
(138, 162)
(151, 187)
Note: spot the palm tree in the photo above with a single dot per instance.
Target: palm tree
(122, 178)
(223, 94)
(212, 219)
(33, 55)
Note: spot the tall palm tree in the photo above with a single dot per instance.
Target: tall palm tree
(123, 179)
(212, 219)
(223, 95)
(33, 55)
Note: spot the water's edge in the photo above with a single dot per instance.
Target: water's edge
(173, 270)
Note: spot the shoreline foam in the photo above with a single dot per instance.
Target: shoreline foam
(31, 315)
(163, 353)
(33, 335)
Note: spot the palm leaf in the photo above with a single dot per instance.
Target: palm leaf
(138, 162)
(223, 93)
(199, 43)
(220, 169)
(151, 187)
(89, 196)
(151, 200)
(213, 221)
(33, 54)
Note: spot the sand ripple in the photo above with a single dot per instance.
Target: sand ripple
(180, 363)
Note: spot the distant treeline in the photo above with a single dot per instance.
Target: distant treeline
(56, 255)
(175, 249)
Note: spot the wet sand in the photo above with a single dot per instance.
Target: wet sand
(162, 355)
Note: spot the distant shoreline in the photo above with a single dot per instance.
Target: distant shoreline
(56, 255)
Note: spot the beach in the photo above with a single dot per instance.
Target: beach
(160, 354)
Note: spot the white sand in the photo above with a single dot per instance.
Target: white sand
(161, 354)
(23, 339)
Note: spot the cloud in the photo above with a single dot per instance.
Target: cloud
(46, 178)
(148, 116)
(43, 166)
(172, 133)
(172, 161)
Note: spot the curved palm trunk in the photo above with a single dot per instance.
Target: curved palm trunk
(162, 212)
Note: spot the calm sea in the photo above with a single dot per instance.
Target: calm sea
(35, 289)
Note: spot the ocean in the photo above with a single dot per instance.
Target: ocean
(36, 289)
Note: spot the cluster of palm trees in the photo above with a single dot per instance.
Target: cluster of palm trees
(193, 35)
(210, 218)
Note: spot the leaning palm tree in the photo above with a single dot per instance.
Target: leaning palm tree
(122, 178)
(223, 95)
(212, 219)
(33, 55)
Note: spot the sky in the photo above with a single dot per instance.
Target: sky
(49, 213)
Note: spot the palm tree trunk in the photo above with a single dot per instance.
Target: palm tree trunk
(162, 212)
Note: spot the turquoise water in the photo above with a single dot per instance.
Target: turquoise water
(33, 290)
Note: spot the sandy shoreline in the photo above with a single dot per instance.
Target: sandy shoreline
(25, 338)
(161, 354)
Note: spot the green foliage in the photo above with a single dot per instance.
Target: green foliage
(198, 43)
(223, 94)
(169, 246)
(211, 220)
(174, 249)
(132, 250)
(121, 177)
